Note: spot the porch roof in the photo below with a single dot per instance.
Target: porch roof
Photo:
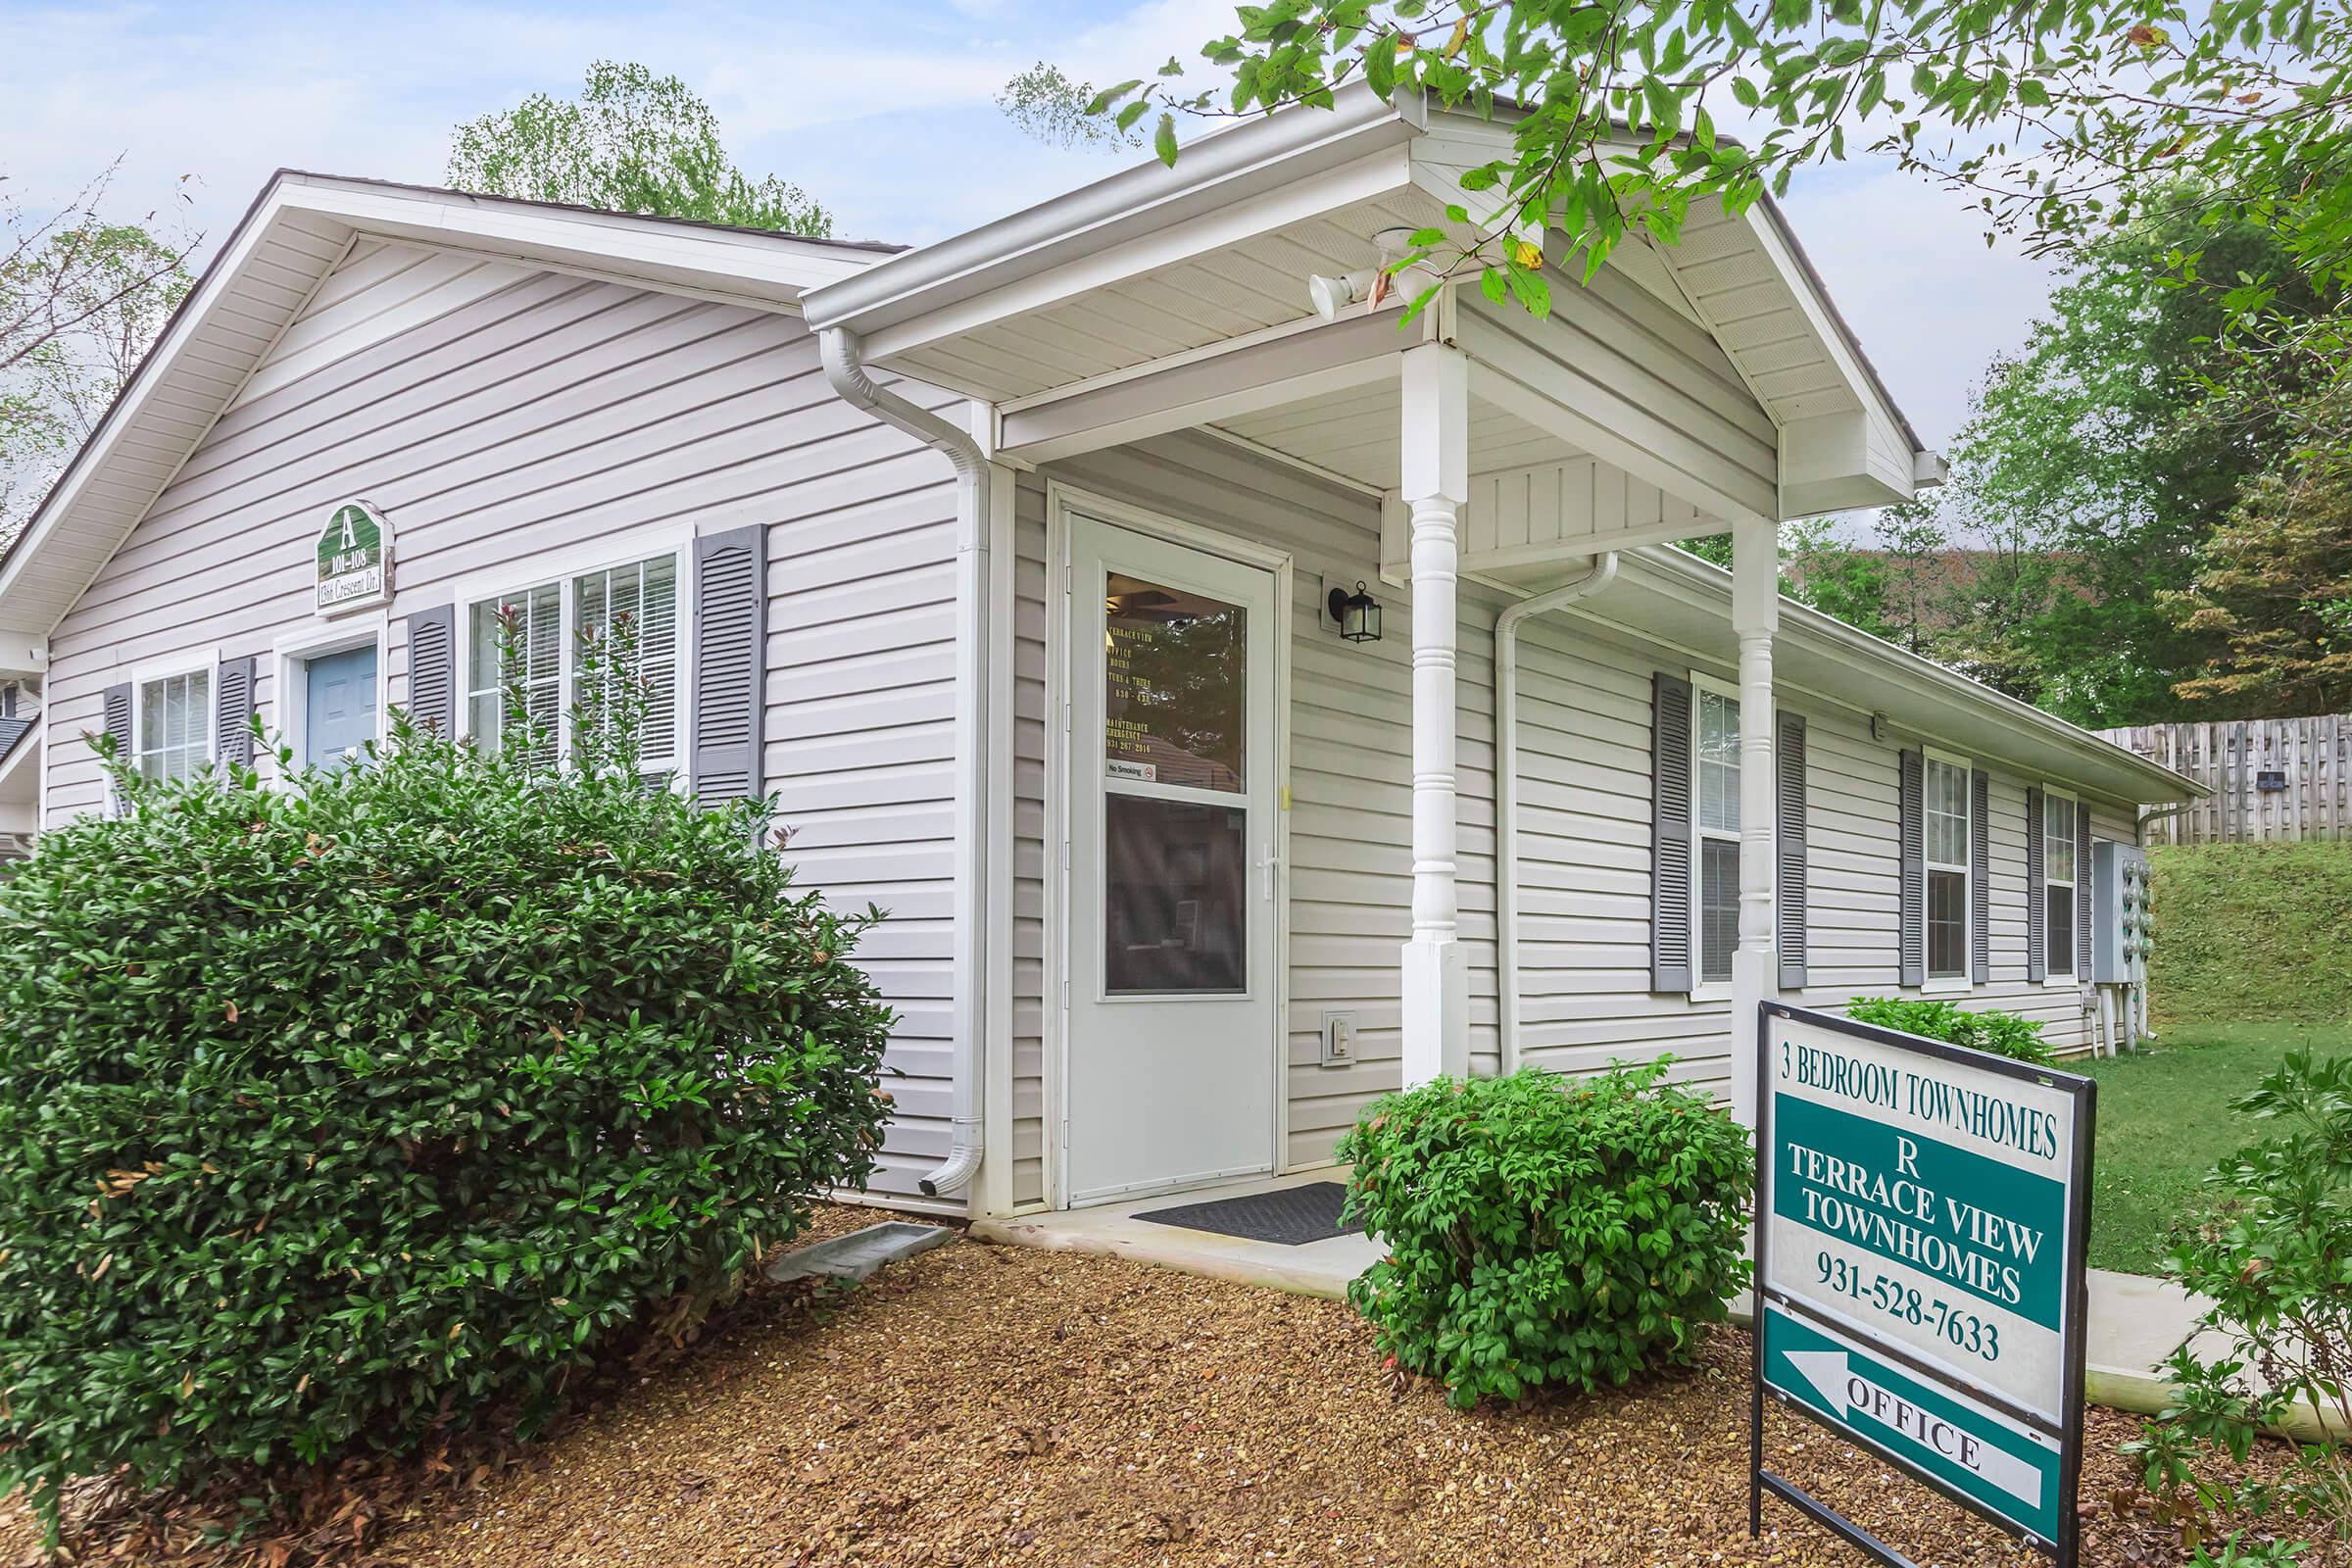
(1160, 294)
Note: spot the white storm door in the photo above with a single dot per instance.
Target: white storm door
(1173, 838)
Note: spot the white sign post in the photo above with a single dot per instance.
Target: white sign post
(1920, 1285)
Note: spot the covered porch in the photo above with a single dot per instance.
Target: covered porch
(1504, 459)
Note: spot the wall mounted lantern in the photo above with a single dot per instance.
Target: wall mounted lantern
(1358, 613)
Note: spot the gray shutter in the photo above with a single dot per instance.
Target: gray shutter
(1789, 850)
(433, 670)
(232, 713)
(1670, 957)
(1911, 830)
(1980, 876)
(730, 625)
(2083, 889)
(2037, 946)
(118, 726)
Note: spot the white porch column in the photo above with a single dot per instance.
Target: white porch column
(1755, 974)
(1437, 481)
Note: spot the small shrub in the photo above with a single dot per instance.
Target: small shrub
(339, 1109)
(2276, 1262)
(1546, 1231)
(2003, 1033)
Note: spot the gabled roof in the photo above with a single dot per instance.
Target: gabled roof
(294, 235)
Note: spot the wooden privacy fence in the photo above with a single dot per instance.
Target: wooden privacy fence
(2272, 779)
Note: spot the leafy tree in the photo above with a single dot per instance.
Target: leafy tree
(1047, 104)
(2275, 581)
(2100, 459)
(1821, 567)
(631, 142)
(81, 296)
(2063, 120)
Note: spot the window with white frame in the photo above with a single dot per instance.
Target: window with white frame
(2058, 875)
(1948, 868)
(172, 732)
(1715, 825)
(548, 622)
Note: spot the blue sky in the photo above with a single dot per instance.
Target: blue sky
(882, 109)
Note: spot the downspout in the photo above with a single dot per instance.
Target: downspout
(839, 348)
(1507, 783)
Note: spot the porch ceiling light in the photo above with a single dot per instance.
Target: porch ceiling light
(1358, 613)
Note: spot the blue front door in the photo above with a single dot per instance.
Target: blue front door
(340, 716)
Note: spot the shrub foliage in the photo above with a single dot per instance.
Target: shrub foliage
(2271, 1268)
(2003, 1033)
(341, 1107)
(1547, 1231)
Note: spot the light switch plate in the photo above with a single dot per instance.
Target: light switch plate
(1338, 1038)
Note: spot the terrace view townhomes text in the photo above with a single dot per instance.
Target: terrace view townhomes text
(1243, 700)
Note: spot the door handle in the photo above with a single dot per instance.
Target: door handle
(1267, 864)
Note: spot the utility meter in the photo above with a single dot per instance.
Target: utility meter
(2118, 914)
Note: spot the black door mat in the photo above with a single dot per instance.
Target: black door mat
(1290, 1217)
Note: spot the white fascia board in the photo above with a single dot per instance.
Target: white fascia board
(148, 385)
(2124, 773)
(715, 263)
(1825, 465)
(1308, 150)
(1773, 237)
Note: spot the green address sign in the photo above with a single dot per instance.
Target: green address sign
(1921, 1211)
(354, 558)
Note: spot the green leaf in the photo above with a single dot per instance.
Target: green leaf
(1163, 141)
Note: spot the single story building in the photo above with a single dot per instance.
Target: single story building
(1244, 701)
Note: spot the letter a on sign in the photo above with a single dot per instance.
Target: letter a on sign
(354, 558)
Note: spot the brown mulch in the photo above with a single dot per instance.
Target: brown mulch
(986, 1404)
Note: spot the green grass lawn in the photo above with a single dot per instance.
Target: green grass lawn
(2165, 1120)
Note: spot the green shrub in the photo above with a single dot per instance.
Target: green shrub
(339, 1109)
(1548, 1231)
(2274, 1346)
(2003, 1033)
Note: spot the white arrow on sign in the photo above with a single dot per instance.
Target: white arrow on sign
(1843, 1388)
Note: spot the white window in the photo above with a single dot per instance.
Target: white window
(171, 724)
(1945, 798)
(2058, 875)
(1715, 825)
(550, 619)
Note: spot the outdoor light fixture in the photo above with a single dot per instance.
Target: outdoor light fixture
(1357, 612)
(1332, 295)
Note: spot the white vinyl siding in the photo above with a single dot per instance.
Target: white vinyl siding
(172, 724)
(522, 426)
(2059, 875)
(1715, 828)
(1948, 893)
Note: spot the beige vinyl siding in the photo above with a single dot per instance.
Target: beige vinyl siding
(499, 416)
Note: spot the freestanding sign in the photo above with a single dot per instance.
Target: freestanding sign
(355, 559)
(1921, 1218)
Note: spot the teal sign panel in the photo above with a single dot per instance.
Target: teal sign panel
(1998, 1464)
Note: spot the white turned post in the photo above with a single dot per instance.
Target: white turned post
(1755, 972)
(1437, 481)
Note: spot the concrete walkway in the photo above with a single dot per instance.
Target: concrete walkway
(2134, 1322)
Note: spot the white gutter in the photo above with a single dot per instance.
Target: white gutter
(839, 348)
(1507, 783)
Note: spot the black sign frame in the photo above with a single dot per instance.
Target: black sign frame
(2066, 1550)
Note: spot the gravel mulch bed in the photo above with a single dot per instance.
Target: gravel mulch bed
(986, 1404)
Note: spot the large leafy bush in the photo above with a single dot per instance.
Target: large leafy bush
(2003, 1033)
(2273, 1271)
(339, 1108)
(1548, 1231)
